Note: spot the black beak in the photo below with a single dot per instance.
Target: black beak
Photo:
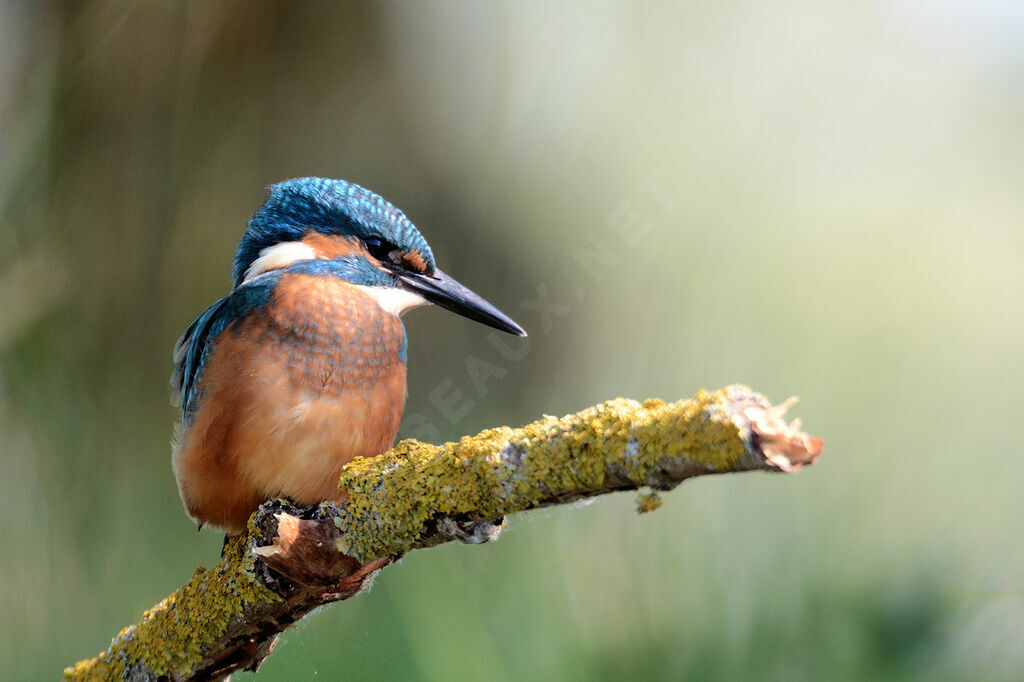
(441, 289)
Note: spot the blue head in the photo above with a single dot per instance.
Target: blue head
(350, 232)
(330, 207)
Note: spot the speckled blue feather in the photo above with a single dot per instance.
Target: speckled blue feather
(330, 206)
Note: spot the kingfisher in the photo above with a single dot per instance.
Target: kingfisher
(302, 366)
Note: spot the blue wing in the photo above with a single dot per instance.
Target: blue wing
(195, 345)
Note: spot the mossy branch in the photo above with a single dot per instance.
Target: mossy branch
(418, 495)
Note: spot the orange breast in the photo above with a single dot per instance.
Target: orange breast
(290, 394)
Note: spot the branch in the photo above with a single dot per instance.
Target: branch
(418, 495)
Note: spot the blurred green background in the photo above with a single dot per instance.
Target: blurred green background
(820, 199)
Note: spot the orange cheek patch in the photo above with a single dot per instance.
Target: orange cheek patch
(329, 247)
(414, 259)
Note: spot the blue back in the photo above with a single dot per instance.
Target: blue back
(195, 345)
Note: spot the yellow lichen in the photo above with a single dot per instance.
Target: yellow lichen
(173, 634)
(648, 501)
(503, 470)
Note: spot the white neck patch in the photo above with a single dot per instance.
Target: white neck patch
(278, 256)
(394, 301)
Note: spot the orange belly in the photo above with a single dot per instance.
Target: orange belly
(288, 397)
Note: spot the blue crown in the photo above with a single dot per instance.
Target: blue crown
(330, 206)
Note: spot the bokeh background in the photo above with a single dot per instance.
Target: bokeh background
(820, 199)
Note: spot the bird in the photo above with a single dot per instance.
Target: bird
(301, 368)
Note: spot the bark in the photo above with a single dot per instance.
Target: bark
(417, 495)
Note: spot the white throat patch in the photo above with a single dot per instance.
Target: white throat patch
(395, 301)
(278, 256)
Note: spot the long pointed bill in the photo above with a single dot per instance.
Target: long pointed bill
(441, 289)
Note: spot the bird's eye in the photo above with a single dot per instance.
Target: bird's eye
(378, 247)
